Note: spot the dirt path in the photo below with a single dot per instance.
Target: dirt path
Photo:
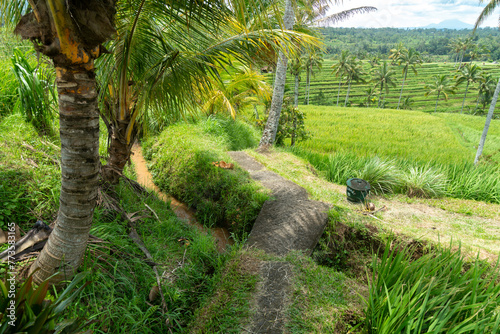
(410, 217)
(288, 221)
(145, 179)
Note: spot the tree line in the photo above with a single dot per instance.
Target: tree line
(364, 42)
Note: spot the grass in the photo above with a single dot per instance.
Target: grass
(412, 135)
(29, 173)
(222, 197)
(438, 293)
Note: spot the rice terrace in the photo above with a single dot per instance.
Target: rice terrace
(249, 166)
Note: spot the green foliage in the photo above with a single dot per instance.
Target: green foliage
(438, 293)
(237, 135)
(383, 176)
(29, 173)
(36, 91)
(424, 182)
(182, 160)
(34, 311)
(291, 125)
(230, 305)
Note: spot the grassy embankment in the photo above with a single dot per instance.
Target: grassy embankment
(326, 82)
(355, 142)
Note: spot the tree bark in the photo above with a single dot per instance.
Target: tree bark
(437, 99)
(463, 102)
(402, 86)
(487, 124)
(348, 91)
(308, 83)
(296, 100)
(338, 93)
(79, 131)
(119, 152)
(269, 134)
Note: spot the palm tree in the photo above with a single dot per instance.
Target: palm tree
(487, 11)
(243, 88)
(487, 124)
(468, 74)
(441, 84)
(341, 68)
(486, 89)
(355, 73)
(312, 60)
(396, 53)
(269, 133)
(295, 69)
(51, 26)
(383, 77)
(318, 16)
(153, 72)
(410, 59)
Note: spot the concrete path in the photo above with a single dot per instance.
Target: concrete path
(288, 221)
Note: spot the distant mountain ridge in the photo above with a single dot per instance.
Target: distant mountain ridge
(449, 24)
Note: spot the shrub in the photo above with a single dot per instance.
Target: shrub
(438, 293)
(383, 176)
(182, 158)
(33, 312)
(424, 182)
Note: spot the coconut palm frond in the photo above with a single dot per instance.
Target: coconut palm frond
(11, 11)
(487, 11)
(344, 15)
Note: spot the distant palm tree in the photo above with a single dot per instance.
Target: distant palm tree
(340, 68)
(383, 77)
(441, 84)
(312, 61)
(355, 73)
(486, 89)
(295, 68)
(409, 59)
(468, 74)
(397, 52)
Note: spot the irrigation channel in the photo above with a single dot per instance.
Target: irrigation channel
(145, 179)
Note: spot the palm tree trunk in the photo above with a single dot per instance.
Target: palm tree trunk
(269, 133)
(119, 152)
(296, 100)
(435, 108)
(487, 124)
(402, 86)
(338, 94)
(461, 58)
(308, 84)
(79, 132)
(463, 102)
(380, 96)
(348, 91)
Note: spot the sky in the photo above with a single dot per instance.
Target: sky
(414, 13)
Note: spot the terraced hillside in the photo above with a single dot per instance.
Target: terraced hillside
(324, 88)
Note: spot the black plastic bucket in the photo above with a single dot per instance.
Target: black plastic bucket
(357, 190)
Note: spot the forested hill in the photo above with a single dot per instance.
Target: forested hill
(362, 41)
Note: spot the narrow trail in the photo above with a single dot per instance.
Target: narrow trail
(183, 212)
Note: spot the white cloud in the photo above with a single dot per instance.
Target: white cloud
(414, 13)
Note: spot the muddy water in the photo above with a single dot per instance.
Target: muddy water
(145, 179)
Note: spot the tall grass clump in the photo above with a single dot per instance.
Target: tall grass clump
(383, 176)
(438, 293)
(474, 182)
(424, 182)
(36, 92)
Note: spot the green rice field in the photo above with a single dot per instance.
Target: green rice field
(413, 135)
(324, 87)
